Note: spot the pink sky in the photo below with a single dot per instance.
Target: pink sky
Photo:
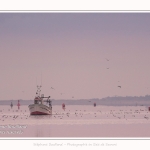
(70, 52)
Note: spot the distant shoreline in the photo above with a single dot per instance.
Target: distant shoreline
(108, 101)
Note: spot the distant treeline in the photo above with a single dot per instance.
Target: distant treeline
(109, 101)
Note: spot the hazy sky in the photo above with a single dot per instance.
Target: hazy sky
(70, 50)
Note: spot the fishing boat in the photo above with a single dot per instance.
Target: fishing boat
(39, 108)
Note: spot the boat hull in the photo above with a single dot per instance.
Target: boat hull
(40, 109)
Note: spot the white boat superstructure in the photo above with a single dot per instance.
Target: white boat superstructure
(39, 108)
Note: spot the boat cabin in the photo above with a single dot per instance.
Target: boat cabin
(38, 100)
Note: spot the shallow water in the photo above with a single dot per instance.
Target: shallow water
(76, 121)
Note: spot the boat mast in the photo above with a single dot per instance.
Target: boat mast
(38, 91)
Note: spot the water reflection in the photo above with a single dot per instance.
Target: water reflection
(39, 117)
(39, 129)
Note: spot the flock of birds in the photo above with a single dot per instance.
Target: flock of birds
(119, 86)
(102, 114)
(12, 114)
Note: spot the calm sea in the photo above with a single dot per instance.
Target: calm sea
(76, 121)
